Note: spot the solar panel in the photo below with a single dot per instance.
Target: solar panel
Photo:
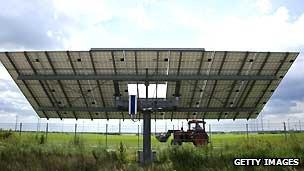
(90, 84)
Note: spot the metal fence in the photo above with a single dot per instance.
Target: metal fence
(126, 128)
(106, 128)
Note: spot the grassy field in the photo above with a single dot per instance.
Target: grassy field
(61, 151)
(133, 141)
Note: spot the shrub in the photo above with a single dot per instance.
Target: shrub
(122, 155)
(40, 139)
(5, 134)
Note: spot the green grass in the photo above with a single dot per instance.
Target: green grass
(92, 140)
(31, 151)
(131, 140)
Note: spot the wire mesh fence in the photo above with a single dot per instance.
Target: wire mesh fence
(122, 128)
(131, 134)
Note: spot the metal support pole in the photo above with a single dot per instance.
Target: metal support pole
(16, 125)
(62, 126)
(98, 126)
(257, 125)
(75, 132)
(46, 131)
(247, 129)
(37, 125)
(300, 129)
(262, 124)
(147, 152)
(210, 133)
(285, 130)
(147, 138)
(119, 127)
(106, 135)
(155, 127)
(20, 128)
(138, 137)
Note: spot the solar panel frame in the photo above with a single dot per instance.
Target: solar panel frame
(193, 93)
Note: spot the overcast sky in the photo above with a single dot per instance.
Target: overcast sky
(261, 25)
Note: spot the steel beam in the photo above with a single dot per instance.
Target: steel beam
(270, 82)
(178, 83)
(113, 109)
(148, 49)
(143, 77)
(234, 83)
(215, 83)
(196, 81)
(116, 85)
(251, 87)
(136, 71)
(59, 82)
(40, 82)
(147, 152)
(157, 59)
(25, 84)
(98, 84)
(78, 82)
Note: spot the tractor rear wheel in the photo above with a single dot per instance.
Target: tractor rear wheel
(174, 142)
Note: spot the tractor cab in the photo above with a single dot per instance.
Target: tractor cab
(196, 125)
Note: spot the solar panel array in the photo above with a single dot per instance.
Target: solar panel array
(205, 94)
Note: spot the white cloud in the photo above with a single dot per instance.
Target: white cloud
(87, 27)
(264, 6)
(4, 74)
(298, 108)
(139, 16)
(85, 12)
(268, 32)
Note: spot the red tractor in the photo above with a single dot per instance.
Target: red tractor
(196, 134)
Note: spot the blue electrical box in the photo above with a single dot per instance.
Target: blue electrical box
(132, 105)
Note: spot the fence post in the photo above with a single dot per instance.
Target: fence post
(37, 125)
(16, 125)
(138, 137)
(257, 126)
(285, 130)
(210, 133)
(154, 128)
(75, 132)
(119, 126)
(62, 126)
(106, 135)
(247, 129)
(46, 131)
(20, 128)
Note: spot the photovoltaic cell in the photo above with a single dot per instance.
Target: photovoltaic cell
(193, 93)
